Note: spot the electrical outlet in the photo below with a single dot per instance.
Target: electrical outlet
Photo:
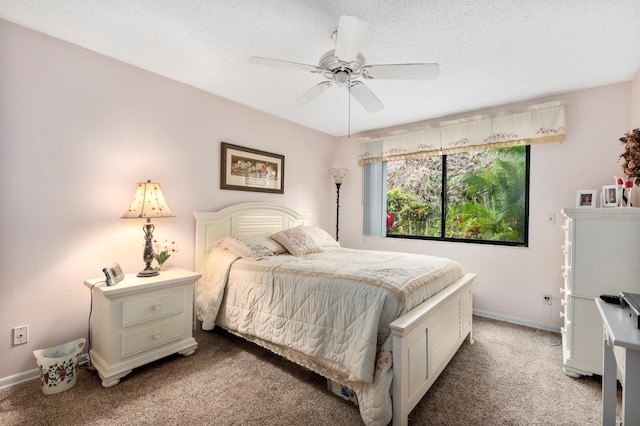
(546, 299)
(20, 334)
(551, 218)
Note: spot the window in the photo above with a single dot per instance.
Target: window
(485, 201)
(464, 180)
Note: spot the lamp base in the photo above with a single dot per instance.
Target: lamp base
(147, 256)
(148, 272)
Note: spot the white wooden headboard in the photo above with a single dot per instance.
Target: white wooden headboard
(241, 219)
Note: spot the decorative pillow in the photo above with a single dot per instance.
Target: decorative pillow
(321, 236)
(252, 246)
(297, 241)
(264, 240)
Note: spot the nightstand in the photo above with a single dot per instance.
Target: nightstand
(140, 320)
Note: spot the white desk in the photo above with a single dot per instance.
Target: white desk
(621, 352)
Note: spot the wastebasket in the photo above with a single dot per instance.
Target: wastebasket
(59, 366)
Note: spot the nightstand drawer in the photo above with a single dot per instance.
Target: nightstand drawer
(150, 308)
(151, 336)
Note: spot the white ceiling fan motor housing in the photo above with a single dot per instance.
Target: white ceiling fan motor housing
(342, 71)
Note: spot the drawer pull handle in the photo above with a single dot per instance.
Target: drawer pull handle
(157, 306)
(156, 335)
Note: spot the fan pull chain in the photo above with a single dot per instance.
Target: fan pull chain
(349, 114)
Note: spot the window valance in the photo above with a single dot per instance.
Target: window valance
(538, 124)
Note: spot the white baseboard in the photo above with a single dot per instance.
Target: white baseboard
(31, 375)
(518, 321)
(19, 378)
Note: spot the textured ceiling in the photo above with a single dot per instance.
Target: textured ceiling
(490, 52)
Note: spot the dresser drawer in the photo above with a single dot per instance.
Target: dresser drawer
(152, 307)
(153, 335)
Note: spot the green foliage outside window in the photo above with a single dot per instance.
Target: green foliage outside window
(485, 197)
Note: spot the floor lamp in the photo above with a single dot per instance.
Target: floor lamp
(338, 175)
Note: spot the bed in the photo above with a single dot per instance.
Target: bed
(396, 319)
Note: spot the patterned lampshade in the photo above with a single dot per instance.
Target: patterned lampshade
(338, 174)
(148, 202)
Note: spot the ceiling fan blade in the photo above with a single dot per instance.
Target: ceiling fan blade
(285, 64)
(401, 71)
(351, 31)
(310, 94)
(365, 96)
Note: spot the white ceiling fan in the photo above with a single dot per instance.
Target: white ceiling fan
(345, 67)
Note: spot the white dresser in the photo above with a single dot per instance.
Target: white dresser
(602, 256)
(140, 320)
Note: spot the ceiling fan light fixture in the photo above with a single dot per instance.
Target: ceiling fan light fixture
(342, 78)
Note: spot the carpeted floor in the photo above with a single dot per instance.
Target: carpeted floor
(511, 375)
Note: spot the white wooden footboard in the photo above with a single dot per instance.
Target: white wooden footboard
(424, 341)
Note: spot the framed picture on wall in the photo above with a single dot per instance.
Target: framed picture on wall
(586, 198)
(247, 169)
(610, 196)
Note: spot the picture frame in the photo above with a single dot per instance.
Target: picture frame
(248, 169)
(610, 196)
(586, 198)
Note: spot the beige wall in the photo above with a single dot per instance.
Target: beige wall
(635, 101)
(77, 131)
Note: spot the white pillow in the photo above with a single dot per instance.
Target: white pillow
(255, 246)
(264, 240)
(321, 236)
(297, 241)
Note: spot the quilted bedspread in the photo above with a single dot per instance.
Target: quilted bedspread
(334, 307)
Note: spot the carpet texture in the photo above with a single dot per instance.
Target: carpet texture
(511, 375)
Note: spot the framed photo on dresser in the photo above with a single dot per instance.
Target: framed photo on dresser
(610, 196)
(586, 198)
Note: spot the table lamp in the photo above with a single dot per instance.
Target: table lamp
(148, 202)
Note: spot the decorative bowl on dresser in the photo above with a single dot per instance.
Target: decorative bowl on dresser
(140, 320)
(602, 256)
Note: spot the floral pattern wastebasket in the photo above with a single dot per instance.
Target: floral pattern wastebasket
(59, 366)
